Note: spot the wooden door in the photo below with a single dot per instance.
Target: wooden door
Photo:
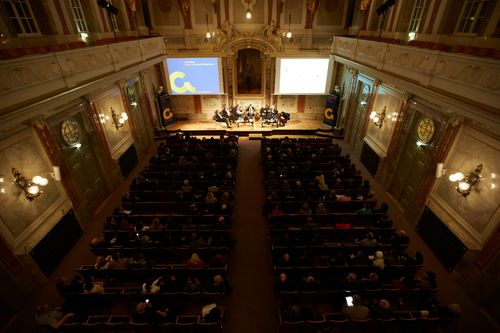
(414, 161)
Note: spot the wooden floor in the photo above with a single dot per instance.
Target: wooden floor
(244, 129)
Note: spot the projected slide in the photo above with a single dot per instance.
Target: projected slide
(303, 76)
(194, 76)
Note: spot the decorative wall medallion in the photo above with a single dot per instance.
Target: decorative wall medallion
(426, 129)
(70, 132)
(365, 95)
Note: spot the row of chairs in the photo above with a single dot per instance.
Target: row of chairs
(123, 323)
(164, 252)
(404, 321)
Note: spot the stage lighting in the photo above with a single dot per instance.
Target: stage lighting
(109, 7)
(385, 6)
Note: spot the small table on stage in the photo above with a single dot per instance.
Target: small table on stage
(245, 120)
(270, 121)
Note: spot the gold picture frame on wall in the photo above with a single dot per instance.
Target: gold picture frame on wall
(249, 72)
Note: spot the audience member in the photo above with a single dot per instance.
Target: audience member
(283, 284)
(426, 280)
(321, 209)
(210, 313)
(378, 261)
(305, 210)
(382, 310)
(192, 284)
(195, 261)
(357, 310)
(143, 313)
(50, 317)
(66, 286)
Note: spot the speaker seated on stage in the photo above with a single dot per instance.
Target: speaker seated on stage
(263, 111)
(248, 116)
(218, 117)
(271, 116)
(236, 113)
(283, 117)
(226, 113)
(250, 112)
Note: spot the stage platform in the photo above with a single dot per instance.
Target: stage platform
(292, 127)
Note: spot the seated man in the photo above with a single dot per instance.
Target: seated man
(218, 117)
(271, 117)
(225, 112)
(263, 111)
(236, 113)
(250, 111)
(247, 116)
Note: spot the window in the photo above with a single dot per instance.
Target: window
(472, 16)
(417, 16)
(21, 17)
(76, 6)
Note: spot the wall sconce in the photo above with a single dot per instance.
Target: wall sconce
(289, 33)
(2, 188)
(119, 121)
(465, 183)
(378, 117)
(208, 35)
(248, 8)
(31, 187)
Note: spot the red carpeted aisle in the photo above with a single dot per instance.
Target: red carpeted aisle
(251, 304)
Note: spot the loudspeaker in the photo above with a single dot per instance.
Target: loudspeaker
(109, 7)
(385, 6)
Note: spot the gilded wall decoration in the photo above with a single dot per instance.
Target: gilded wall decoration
(477, 215)
(389, 102)
(110, 107)
(20, 218)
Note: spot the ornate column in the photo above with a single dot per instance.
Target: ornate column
(185, 9)
(438, 155)
(133, 129)
(94, 115)
(392, 150)
(311, 8)
(227, 64)
(143, 80)
(346, 120)
(369, 107)
(269, 78)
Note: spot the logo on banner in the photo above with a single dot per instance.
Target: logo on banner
(329, 114)
(167, 114)
(186, 86)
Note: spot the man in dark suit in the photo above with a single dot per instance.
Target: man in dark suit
(218, 117)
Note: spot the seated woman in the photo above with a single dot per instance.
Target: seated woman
(218, 117)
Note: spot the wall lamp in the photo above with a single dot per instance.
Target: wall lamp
(378, 117)
(31, 187)
(118, 120)
(289, 32)
(465, 183)
(248, 8)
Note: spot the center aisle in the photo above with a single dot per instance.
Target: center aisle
(251, 304)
